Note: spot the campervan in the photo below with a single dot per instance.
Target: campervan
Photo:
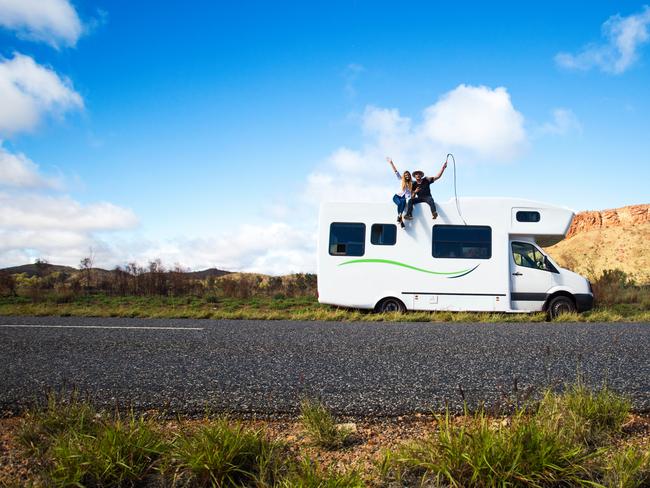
(480, 254)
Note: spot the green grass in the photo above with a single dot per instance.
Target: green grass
(121, 453)
(627, 468)
(307, 474)
(269, 308)
(224, 454)
(61, 414)
(591, 417)
(321, 426)
(557, 444)
(573, 438)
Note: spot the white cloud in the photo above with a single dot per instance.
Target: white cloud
(478, 121)
(38, 220)
(33, 211)
(29, 91)
(564, 122)
(477, 118)
(52, 21)
(276, 248)
(623, 38)
(17, 170)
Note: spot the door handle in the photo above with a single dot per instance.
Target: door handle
(517, 274)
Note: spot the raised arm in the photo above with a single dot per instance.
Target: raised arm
(390, 161)
(442, 170)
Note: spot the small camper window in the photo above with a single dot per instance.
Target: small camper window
(527, 216)
(462, 241)
(347, 239)
(383, 234)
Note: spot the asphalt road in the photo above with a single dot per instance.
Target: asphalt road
(361, 369)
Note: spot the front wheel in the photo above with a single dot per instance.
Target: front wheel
(560, 305)
(391, 304)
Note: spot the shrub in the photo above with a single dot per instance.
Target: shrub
(321, 426)
(614, 286)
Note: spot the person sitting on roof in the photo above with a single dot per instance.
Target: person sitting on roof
(422, 192)
(404, 194)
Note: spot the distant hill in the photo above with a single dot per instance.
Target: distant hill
(41, 269)
(608, 239)
(206, 273)
(44, 269)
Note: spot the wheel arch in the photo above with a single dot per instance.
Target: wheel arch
(389, 297)
(558, 293)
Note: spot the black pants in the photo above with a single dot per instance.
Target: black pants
(414, 201)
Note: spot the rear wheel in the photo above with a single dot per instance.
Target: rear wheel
(560, 305)
(391, 304)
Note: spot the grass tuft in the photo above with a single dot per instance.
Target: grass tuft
(307, 474)
(60, 414)
(321, 425)
(121, 453)
(627, 468)
(586, 416)
(220, 454)
(518, 453)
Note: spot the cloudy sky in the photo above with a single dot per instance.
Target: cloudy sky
(207, 133)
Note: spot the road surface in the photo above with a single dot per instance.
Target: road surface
(266, 367)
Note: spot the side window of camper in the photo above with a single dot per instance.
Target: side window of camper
(462, 241)
(528, 216)
(347, 239)
(528, 256)
(383, 234)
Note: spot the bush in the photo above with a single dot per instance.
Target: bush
(614, 286)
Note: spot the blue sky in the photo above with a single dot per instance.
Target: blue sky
(208, 134)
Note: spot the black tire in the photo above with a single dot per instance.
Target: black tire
(559, 305)
(391, 304)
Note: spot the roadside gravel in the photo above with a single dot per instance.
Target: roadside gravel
(264, 368)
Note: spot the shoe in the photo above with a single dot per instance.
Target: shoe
(401, 224)
(399, 218)
(408, 217)
(434, 215)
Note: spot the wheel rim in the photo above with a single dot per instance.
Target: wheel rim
(562, 307)
(391, 306)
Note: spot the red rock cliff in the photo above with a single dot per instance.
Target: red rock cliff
(617, 217)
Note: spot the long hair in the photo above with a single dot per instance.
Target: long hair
(407, 183)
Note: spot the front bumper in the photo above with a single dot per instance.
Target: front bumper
(584, 301)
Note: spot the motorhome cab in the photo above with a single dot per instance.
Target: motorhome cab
(488, 259)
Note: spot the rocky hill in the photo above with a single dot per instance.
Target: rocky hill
(608, 239)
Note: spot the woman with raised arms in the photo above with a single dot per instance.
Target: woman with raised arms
(404, 195)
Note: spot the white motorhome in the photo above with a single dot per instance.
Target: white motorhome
(489, 258)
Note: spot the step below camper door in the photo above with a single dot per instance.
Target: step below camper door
(529, 282)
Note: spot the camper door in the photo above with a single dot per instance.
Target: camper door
(529, 277)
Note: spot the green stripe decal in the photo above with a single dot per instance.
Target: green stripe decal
(404, 265)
